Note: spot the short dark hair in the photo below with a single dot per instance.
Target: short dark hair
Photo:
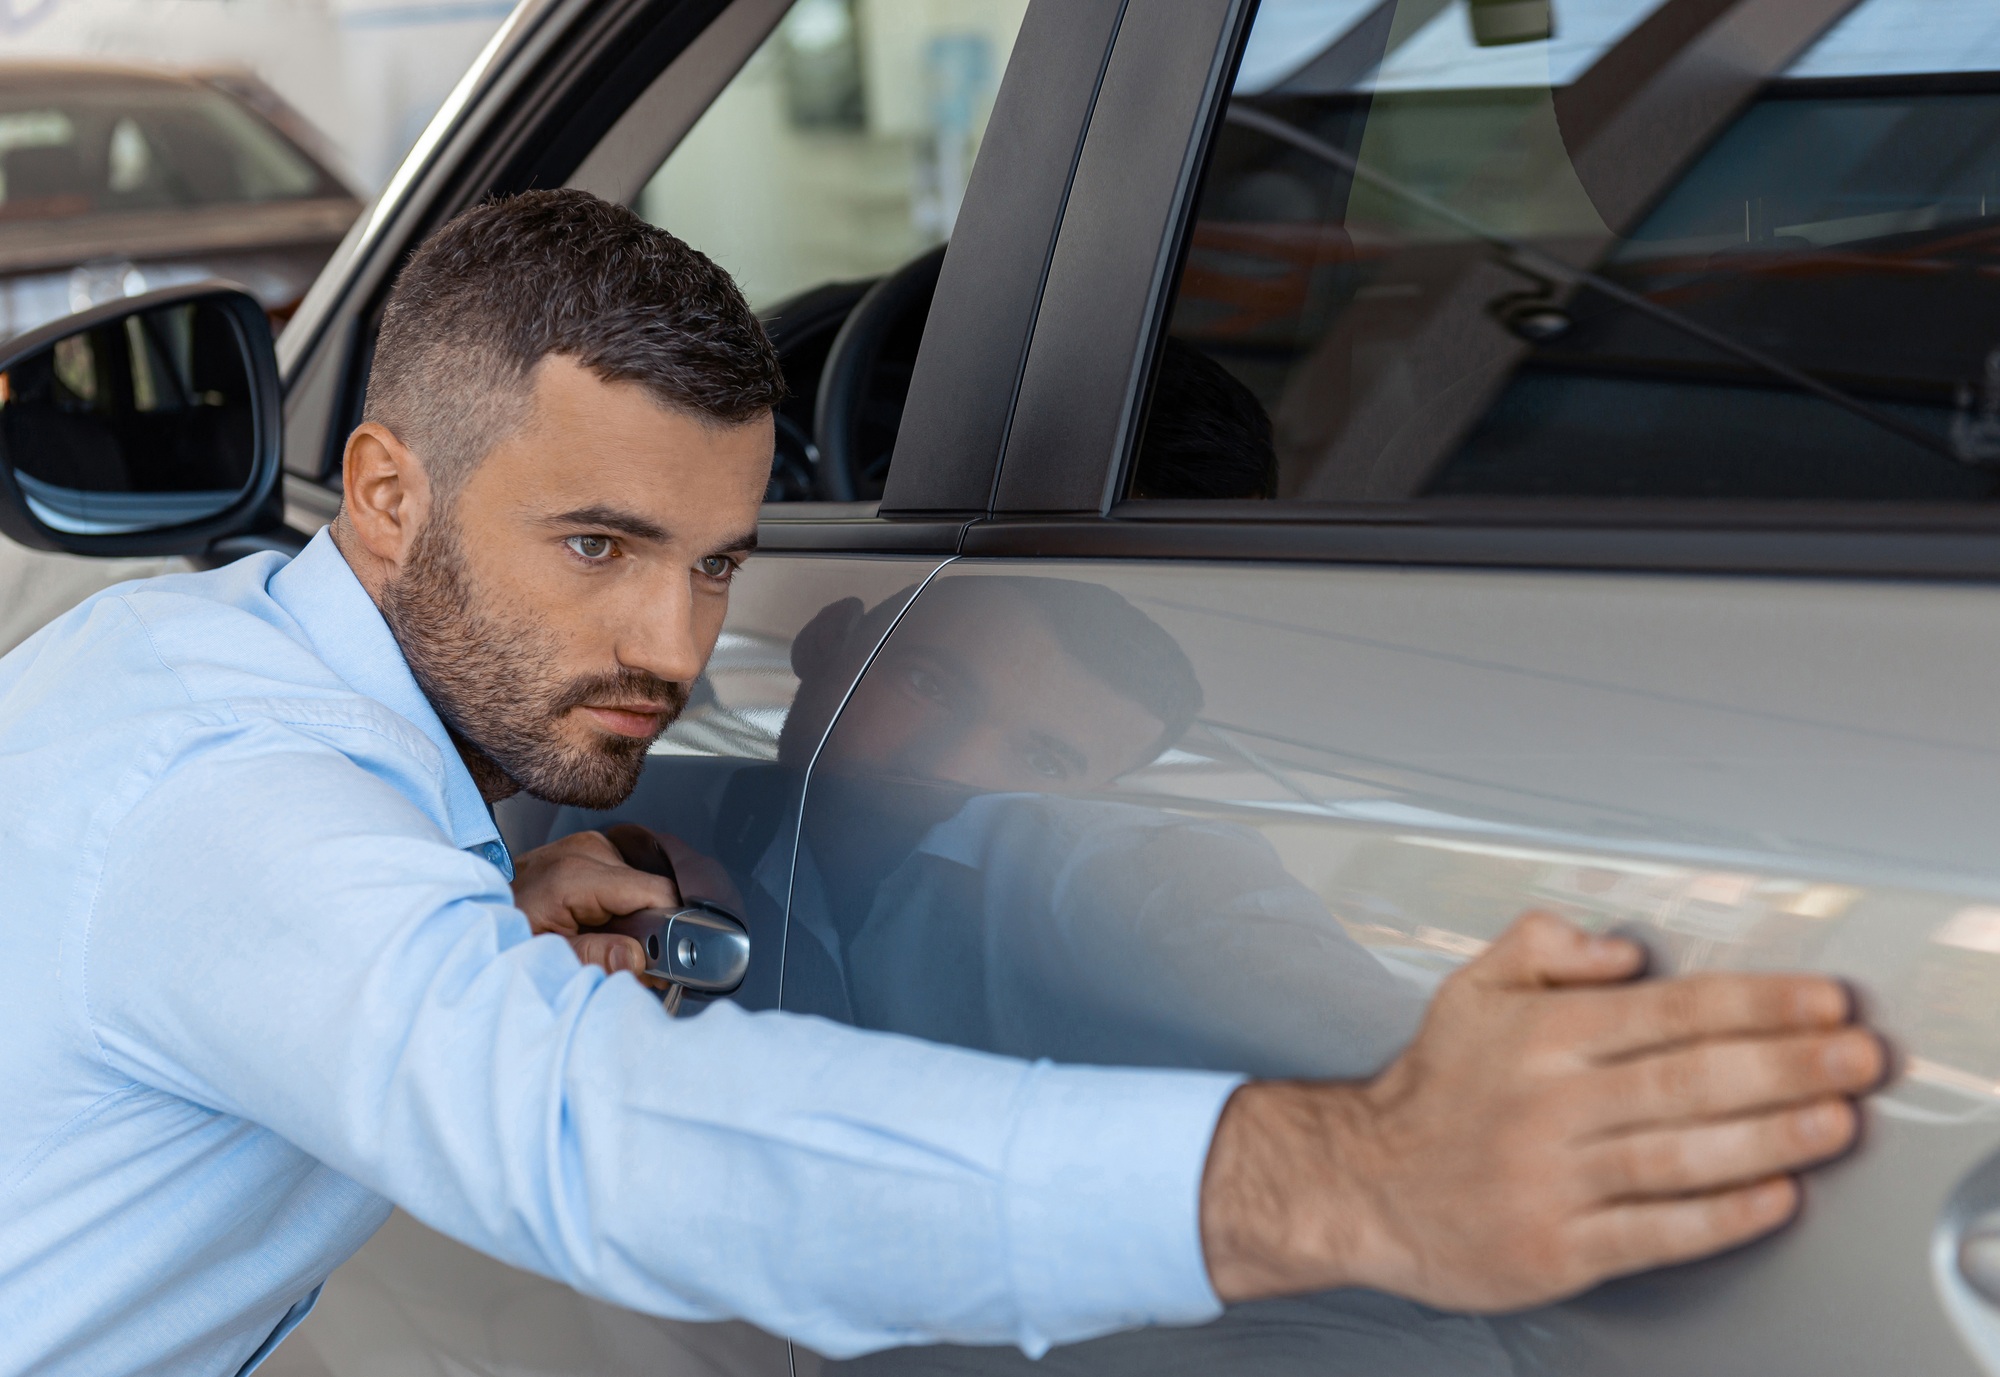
(516, 279)
(1126, 650)
(1207, 435)
(1130, 653)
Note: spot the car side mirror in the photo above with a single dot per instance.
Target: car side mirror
(144, 426)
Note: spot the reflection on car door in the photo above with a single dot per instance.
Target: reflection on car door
(1248, 817)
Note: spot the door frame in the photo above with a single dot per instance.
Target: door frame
(596, 94)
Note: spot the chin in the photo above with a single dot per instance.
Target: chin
(596, 777)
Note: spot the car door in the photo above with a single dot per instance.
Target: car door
(1451, 477)
(879, 133)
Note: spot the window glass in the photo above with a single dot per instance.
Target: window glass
(1428, 262)
(836, 157)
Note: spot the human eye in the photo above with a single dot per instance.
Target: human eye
(926, 684)
(1047, 764)
(721, 568)
(592, 549)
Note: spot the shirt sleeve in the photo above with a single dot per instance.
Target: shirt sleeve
(281, 935)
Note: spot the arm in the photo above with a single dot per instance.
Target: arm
(281, 936)
(1550, 1128)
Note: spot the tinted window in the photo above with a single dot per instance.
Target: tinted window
(1432, 263)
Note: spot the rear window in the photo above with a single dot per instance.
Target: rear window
(140, 148)
(1514, 250)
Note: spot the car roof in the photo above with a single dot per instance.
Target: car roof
(56, 74)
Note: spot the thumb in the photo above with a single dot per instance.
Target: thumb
(1541, 950)
(612, 952)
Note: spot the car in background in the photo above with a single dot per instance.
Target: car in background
(121, 179)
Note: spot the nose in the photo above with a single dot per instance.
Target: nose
(973, 755)
(661, 635)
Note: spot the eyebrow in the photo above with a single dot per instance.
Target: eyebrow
(742, 544)
(610, 519)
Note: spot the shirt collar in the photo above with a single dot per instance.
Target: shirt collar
(347, 632)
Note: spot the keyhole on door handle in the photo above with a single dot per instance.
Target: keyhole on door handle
(700, 946)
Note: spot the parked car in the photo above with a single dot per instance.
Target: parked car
(119, 179)
(1349, 478)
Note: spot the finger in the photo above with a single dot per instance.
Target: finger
(1635, 1018)
(594, 845)
(1711, 1156)
(594, 892)
(1637, 1237)
(612, 952)
(1714, 1080)
(1541, 950)
(639, 848)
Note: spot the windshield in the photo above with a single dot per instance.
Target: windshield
(114, 147)
(1535, 249)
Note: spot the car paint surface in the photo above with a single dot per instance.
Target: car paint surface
(1747, 772)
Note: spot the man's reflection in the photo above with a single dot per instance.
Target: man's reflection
(966, 873)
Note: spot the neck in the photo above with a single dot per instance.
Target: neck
(494, 783)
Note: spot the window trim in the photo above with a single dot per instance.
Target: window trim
(1911, 542)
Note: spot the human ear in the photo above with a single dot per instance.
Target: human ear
(386, 494)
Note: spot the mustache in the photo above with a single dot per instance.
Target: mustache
(624, 686)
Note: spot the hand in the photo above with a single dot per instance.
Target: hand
(582, 882)
(1549, 1128)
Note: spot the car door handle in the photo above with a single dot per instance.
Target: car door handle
(700, 946)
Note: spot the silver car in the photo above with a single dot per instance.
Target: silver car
(1272, 491)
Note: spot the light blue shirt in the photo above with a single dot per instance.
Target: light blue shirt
(261, 976)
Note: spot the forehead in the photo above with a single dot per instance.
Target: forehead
(588, 442)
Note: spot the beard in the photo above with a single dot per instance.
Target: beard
(493, 681)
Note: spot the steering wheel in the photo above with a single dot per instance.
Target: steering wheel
(844, 470)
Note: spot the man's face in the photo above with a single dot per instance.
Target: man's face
(558, 607)
(975, 690)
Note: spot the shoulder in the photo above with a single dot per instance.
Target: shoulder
(163, 670)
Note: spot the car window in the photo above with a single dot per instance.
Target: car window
(104, 149)
(1417, 273)
(835, 159)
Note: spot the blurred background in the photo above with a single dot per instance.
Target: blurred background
(144, 143)
(147, 143)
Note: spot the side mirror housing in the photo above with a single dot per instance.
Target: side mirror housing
(145, 426)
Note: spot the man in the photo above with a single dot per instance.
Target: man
(956, 879)
(262, 973)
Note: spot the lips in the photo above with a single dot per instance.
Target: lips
(627, 719)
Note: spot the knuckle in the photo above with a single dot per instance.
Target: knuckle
(1659, 1161)
(1679, 1079)
(1681, 1005)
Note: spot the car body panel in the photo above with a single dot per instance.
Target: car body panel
(1397, 763)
